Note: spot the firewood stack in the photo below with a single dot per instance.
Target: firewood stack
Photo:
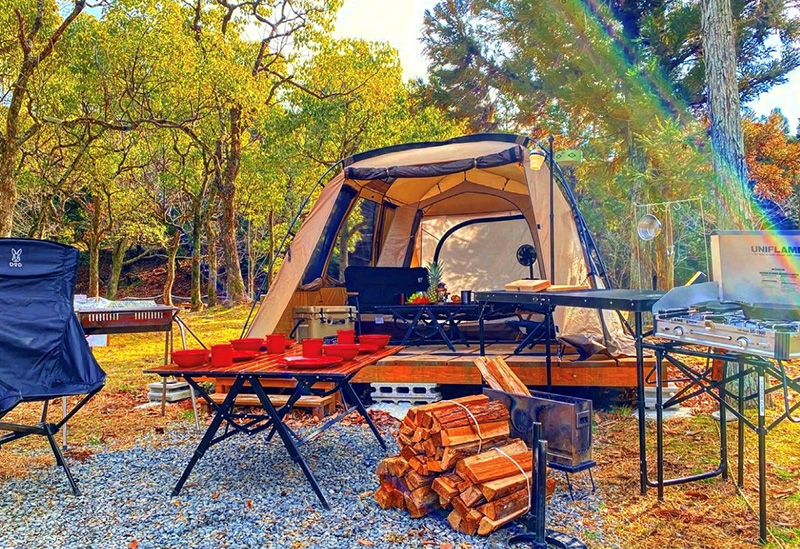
(448, 459)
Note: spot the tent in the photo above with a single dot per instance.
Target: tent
(483, 194)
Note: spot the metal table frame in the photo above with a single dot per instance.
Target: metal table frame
(638, 302)
(432, 316)
(270, 417)
(703, 382)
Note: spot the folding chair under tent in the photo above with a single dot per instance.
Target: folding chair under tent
(43, 350)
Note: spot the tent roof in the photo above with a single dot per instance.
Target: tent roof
(430, 152)
(416, 173)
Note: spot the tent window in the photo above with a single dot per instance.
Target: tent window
(317, 262)
(356, 239)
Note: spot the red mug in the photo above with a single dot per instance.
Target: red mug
(312, 347)
(346, 337)
(276, 344)
(222, 355)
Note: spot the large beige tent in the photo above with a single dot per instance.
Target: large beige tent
(489, 193)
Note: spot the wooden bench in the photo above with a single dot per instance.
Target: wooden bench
(320, 406)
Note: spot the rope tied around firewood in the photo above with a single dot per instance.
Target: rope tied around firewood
(477, 425)
(528, 480)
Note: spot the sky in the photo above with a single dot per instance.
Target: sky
(399, 22)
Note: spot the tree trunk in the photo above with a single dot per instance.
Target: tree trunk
(271, 250)
(665, 255)
(117, 261)
(172, 252)
(250, 258)
(8, 190)
(227, 193)
(95, 237)
(211, 236)
(727, 139)
(196, 293)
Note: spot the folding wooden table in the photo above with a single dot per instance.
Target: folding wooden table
(250, 373)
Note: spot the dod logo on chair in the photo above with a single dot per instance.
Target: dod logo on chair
(16, 258)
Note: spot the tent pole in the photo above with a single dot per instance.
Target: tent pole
(552, 222)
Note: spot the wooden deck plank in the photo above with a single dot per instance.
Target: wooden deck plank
(460, 370)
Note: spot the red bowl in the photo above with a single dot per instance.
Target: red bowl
(249, 344)
(379, 340)
(190, 357)
(343, 350)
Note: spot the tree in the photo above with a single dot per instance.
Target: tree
(773, 161)
(727, 139)
(29, 34)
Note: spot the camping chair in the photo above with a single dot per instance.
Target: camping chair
(43, 351)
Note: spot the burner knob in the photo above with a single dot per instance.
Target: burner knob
(743, 342)
(678, 331)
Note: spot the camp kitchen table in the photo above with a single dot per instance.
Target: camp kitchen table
(433, 317)
(636, 301)
(251, 373)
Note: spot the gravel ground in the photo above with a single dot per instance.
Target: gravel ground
(234, 499)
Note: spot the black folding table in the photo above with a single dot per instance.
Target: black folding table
(638, 302)
(427, 320)
(270, 367)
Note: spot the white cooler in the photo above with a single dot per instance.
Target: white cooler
(323, 321)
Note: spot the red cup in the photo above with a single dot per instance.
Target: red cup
(312, 347)
(222, 355)
(346, 337)
(276, 344)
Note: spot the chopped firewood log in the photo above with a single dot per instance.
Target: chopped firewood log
(388, 498)
(466, 434)
(394, 466)
(414, 480)
(506, 506)
(472, 496)
(496, 489)
(445, 486)
(449, 418)
(421, 501)
(415, 414)
(493, 465)
(498, 375)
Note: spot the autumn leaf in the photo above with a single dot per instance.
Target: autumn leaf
(366, 542)
(133, 545)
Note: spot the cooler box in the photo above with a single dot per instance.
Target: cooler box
(322, 321)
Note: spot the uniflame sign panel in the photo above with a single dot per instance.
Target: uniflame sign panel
(757, 266)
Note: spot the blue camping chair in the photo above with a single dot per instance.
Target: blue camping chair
(43, 351)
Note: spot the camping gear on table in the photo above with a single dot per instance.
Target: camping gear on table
(467, 203)
(222, 355)
(43, 350)
(320, 322)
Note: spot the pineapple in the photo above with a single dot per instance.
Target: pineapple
(435, 272)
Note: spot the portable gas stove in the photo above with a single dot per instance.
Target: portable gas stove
(753, 305)
(731, 330)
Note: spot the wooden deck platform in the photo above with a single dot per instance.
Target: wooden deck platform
(432, 364)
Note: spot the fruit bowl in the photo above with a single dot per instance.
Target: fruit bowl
(190, 357)
(378, 340)
(249, 344)
(343, 350)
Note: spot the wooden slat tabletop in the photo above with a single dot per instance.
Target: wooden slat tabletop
(269, 365)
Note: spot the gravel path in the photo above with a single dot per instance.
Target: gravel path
(232, 499)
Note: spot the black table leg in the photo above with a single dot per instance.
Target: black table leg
(740, 428)
(439, 329)
(659, 426)
(638, 331)
(762, 458)
(548, 361)
(286, 437)
(411, 327)
(222, 412)
(350, 394)
(482, 330)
